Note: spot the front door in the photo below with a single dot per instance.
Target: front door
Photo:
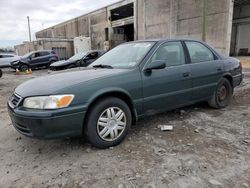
(170, 87)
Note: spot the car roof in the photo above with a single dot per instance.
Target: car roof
(42, 51)
(166, 40)
(6, 54)
(89, 51)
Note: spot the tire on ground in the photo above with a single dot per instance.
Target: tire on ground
(90, 129)
(23, 67)
(215, 101)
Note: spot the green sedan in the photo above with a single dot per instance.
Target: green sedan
(129, 82)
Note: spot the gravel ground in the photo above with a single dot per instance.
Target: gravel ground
(206, 148)
(245, 60)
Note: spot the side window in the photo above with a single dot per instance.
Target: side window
(33, 55)
(198, 52)
(93, 55)
(43, 53)
(6, 56)
(170, 52)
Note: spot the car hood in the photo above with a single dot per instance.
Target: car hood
(24, 60)
(62, 63)
(50, 84)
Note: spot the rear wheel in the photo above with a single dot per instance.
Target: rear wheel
(222, 95)
(23, 67)
(108, 122)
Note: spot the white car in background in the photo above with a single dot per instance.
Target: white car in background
(6, 59)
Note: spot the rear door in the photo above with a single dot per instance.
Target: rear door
(170, 87)
(206, 70)
(44, 57)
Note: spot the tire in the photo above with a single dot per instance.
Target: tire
(222, 94)
(1, 73)
(23, 67)
(100, 134)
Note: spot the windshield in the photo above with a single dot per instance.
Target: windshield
(78, 56)
(27, 55)
(124, 56)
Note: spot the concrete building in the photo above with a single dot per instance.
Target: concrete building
(240, 41)
(210, 20)
(63, 47)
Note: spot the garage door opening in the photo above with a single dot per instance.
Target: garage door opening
(122, 12)
(240, 38)
(122, 23)
(123, 34)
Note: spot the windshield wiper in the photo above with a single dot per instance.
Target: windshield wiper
(103, 66)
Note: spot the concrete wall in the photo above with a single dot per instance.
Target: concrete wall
(24, 48)
(67, 30)
(153, 19)
(90, 25)
(210, 21)
(185, 19)
(45, 44)
(98, 23)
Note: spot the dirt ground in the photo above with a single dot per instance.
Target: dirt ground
(206, 148)
(245, 61)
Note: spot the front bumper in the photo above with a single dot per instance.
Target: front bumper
(237, 79)
(59, 123)
(14, 66)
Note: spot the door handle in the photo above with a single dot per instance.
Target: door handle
(219, 69)
(186, 74)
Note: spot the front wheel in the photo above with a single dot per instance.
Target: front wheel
(222, 94)
(108, 122)
(23, 67)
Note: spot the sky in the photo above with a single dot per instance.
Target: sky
(42, 13)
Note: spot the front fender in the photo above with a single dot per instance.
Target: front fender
(106, 91)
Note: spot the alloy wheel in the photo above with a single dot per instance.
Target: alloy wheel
(111, 124)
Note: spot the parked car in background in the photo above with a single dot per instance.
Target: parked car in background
(131, 81)
(78, 60)
(7, 59)
(35, 59)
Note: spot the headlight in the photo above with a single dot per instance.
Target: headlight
(48, 102)
(15, 62)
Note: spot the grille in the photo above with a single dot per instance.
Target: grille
(15, 100)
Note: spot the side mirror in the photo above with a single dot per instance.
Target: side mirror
(158, 64)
